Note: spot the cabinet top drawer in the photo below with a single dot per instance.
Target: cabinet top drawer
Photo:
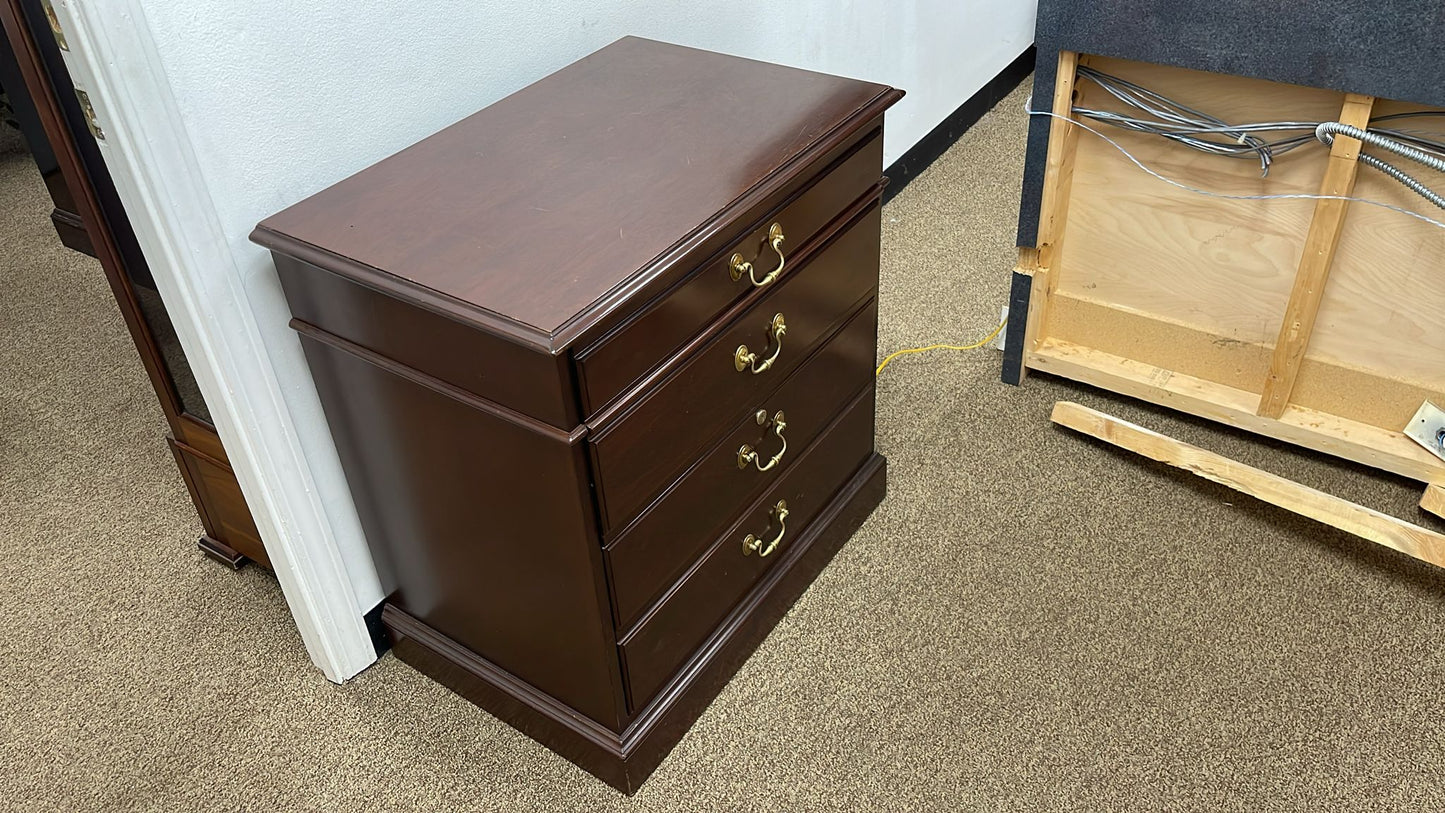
(651, 333)
(542, 215)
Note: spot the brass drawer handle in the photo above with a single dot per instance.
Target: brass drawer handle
(738, 267)
(744, 359)
(747, 454)
(753, 544)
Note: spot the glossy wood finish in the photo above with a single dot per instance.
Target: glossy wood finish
(64, 216)
(484, 364)
(490, 504)
(621, 357)
(664, 639)
(638, 450)
(230, 533)
(625, 760)
(690, 140)
(450, 343)
(649, 554)
(89, 218)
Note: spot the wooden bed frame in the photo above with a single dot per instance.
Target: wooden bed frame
(1318, 322)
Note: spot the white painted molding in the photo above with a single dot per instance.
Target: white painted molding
(151, 158)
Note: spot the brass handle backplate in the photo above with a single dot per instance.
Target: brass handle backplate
(748, 455)
(753, 544)
(744, 359)
(739, 267)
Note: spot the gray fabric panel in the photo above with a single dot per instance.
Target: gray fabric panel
(1046, 65)
(1018, 308)
(1393, 49)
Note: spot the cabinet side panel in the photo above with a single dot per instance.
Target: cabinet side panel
(219, 501)
(507, 373)
(480, 527)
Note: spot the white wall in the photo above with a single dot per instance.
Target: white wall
(281, 99)
(284, 98)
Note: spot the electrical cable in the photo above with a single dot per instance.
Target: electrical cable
(1197, 130)
(1403, 177)
(911, 350)
(1182, 124)
(1186, 125)
(1327, 131)
(1207, 193)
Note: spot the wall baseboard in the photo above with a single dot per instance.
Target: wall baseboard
(940, 138)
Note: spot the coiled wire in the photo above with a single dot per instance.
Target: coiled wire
(1159, 115)
(1327, 131)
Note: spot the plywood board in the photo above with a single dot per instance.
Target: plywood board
(1152, 288)
(1223, 266)
(1384, 308)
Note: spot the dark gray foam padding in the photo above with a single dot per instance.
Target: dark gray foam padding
(1046, 65)
(1013, 346)
(1391, 49)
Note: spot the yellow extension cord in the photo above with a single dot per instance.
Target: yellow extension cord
(895, 354)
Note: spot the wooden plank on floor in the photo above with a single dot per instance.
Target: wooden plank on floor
(1316, 261)
(1367, 523)
(1434, 501)
(1331, 434)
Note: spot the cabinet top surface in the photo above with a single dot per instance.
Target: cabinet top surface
(546, 203)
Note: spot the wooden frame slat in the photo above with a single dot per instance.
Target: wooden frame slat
(1315, 262)
(1331, 434)
(1433, 500)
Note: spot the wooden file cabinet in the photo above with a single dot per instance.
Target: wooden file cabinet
(598, 360)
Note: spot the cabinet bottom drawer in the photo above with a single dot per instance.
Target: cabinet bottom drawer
(662, 642)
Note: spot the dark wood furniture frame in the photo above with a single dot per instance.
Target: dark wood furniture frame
(89, 218)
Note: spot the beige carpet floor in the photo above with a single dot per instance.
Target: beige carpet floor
(1031, 621)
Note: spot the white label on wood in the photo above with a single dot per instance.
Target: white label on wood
(1427, 428)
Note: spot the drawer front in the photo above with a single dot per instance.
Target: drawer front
(659, 434)
(650, 554)
(669, 635)
(627, 353)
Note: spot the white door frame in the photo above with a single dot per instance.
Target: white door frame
(150, 156)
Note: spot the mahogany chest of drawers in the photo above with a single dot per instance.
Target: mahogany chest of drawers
(598, 361)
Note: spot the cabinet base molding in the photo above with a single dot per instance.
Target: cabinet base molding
(623, 760)
(230, 534)
(223, 553)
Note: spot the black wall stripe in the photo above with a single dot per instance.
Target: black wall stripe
(937, 142)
